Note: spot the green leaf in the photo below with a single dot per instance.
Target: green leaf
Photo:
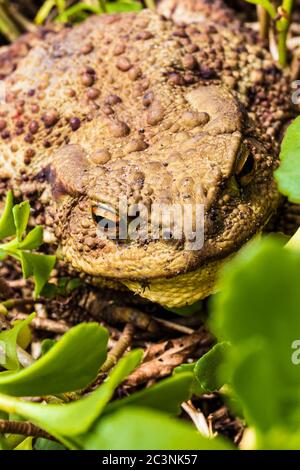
(253, 374)
(33, 239)
(24, 336)
(38, 265)
(3, 443)
(63, 287)
(45, 444)
(8, 345)
(72, 420)
(185, 368)
(257, 311)
(72, 363)
(143, 429)
(166, 396)
(74, 11)
(26, 444)
(47, 344)
(207, 368)
(21, 214)
(123, 6)
(288, 174)
(279, 439)
(7, 224)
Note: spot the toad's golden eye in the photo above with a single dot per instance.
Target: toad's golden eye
(245, 166)
(106, 217)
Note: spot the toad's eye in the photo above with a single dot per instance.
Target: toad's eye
(245, 166)
(106, 218)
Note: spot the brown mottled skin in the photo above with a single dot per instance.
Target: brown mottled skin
(133, 104)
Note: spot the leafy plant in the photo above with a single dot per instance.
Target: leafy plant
(45, 444)
(281, 17)
(57, 371)
(165, 396)
(8, 345)
(206, 370)
(256, 313)
(288, 174)
(80, 10)
(260, 319)
(13, 223)
(63, 287)
(95, 432)
(14, 20)
(143, 428)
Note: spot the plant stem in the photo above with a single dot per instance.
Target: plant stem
(61, 5)
(287, 5)
(44, 324)
(75, 9)
(150, 4)
(102, 5)
(268, 6)
(282, 49)
(282, 27)
(97, 5)
(44, 11)
(7, 27)
(25, 428)
(264, 22)
(282, 20)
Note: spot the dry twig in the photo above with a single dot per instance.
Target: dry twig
(119, 349)
(157, 349)
(116, 314)
(264, 22)
(58, 327)
(163, 365)
(114, 355)
(170, 325)
(198, 418)
(5, 289)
